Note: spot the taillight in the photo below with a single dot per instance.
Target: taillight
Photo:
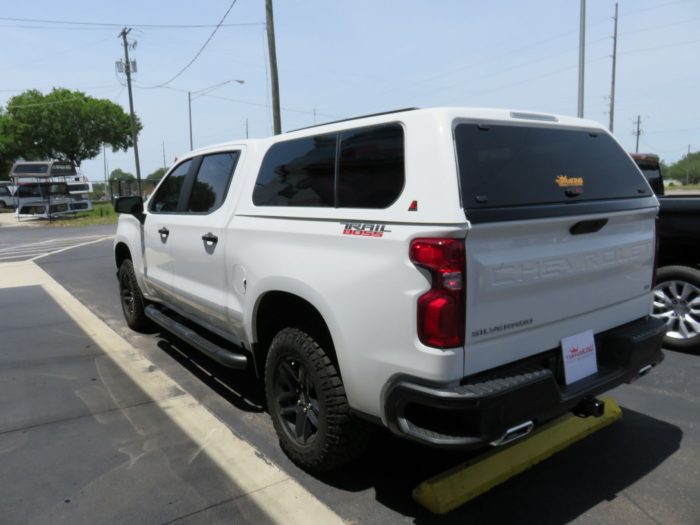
(441, 310)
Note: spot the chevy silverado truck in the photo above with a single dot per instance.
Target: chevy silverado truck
(459, 276)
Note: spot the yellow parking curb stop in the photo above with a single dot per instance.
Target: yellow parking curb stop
(452, 488)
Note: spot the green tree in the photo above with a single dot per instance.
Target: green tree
(157, 174)
(119, 174)
(687, 168)
(8, 148)
(65, 125)
(98, 190)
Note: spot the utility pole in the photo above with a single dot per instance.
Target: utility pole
(189, 109)
(134, 132)
(687, 167)
(104, 156)
(246, 128)
(581, 56)
(637, 132)
(612, 84)
(164, 165)
(277, 123)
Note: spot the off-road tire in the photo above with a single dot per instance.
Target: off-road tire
(682, 284)
(340, 437)
(132, 301)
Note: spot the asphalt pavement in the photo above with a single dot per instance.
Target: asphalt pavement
(642, 469)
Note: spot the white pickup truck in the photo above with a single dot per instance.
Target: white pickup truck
(460, 276)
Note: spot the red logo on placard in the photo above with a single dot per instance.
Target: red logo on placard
(575, 352)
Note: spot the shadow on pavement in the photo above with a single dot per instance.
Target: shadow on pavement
(556, 491)
(238, 387)
(686, 351)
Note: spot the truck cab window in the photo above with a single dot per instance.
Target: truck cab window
(212, 182)
(168, 195)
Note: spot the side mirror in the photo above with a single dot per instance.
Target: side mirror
(130, 206)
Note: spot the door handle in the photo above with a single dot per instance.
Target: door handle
(589, 226)
(210, 238)
(164, 232)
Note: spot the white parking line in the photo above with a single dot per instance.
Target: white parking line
(39, 249)
(276, 495)
(50, 241)
(73, 246)
(20, 256)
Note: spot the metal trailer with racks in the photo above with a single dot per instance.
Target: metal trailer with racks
(46, 189)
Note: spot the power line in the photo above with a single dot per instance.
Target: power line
(661, 26)
(145, 26)
(248, 103)
(52, 103)
(201, 49)
(655, 48)
(651, 8)
(43, 28)
(81, 88)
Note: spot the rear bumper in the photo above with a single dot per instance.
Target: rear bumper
(483, 407)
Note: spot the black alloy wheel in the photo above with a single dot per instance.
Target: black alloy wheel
(308, 406)
(297, 401)
(133, 303)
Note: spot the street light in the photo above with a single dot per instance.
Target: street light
(201, 93)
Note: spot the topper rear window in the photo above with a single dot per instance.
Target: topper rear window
(505, 165)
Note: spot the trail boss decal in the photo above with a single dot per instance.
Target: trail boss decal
(566, 182)
(364, 229)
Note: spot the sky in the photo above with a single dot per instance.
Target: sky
(343, 59)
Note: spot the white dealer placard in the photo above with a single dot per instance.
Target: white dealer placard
(579, 356)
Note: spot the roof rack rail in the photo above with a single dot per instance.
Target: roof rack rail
(355, 118)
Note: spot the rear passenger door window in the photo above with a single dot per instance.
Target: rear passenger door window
(167, 197)
(212, 182)
(298, 172)
(371, 167)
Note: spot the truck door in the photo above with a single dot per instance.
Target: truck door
(197, 240)
(163, 209)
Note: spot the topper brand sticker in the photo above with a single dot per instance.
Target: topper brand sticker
(566, 182)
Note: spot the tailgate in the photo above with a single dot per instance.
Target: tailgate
(532, 283)
(561, 240)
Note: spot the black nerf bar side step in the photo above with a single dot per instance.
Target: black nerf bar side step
(221, 355)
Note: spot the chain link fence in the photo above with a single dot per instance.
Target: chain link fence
(120, 188)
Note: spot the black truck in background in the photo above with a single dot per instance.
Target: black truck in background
(677, 290)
